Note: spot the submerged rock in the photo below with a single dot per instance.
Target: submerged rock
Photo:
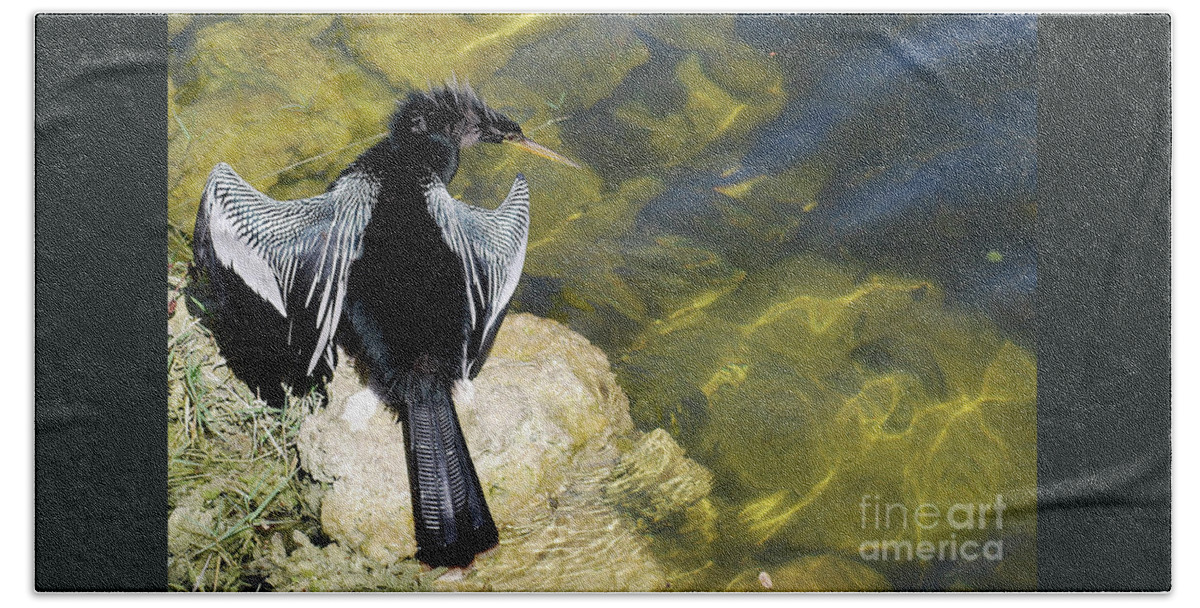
(813, 573)
(656, 480)
(566, 474)
(813, 385)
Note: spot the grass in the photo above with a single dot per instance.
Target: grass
(243, 515)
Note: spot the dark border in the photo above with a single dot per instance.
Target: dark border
(1104, 302)
(100, 315)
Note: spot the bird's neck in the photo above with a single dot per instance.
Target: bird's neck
(410, 160)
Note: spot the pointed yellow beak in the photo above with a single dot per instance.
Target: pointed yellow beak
(542, 151)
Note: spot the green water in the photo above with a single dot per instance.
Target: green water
(817, 382)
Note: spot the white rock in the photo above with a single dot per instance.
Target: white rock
(545, 422)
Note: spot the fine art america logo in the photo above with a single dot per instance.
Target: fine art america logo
(897, 519)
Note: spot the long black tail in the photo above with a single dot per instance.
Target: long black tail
(453, 522)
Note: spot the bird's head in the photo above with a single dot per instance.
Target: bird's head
(454, 115)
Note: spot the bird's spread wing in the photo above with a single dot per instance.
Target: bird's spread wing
(491, 244)
(293, 254)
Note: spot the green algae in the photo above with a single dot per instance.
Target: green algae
(412, 50)
(656, 481)
(577, 66)
(821, 387)
(772, 207)
(707, 114)
(176, 23)
(736, 66)
(706, 96)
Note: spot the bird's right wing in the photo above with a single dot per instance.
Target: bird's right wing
(284, 250)
(491, 244)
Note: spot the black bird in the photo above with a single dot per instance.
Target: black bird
(411, 281)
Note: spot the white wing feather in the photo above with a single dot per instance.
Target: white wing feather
(266, 242)
(492, 246)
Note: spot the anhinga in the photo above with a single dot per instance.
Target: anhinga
(413, 282)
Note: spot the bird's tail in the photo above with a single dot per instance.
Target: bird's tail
(452, 519)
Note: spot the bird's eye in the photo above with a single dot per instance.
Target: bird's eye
(513, 137)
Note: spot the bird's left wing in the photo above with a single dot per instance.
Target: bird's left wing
(287, 251)
(491, 244)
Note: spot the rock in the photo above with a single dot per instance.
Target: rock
(189, 525)
(566, 475)
(333, 568)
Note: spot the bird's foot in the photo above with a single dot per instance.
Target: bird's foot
(457, 573)
(454, 574)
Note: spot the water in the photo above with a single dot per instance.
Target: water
(805, 242)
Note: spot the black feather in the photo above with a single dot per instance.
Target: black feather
(450, 512)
